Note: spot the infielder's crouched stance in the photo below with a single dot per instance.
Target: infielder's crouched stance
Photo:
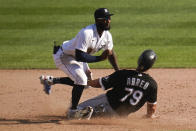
(130, 90)
(73, 55)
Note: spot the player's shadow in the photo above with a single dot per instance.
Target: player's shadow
(35, 120)
(53, 120)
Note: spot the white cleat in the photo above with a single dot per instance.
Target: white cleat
(46, 81)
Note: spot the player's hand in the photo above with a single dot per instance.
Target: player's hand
(104, 54)
(89, 75)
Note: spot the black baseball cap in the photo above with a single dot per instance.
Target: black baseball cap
(102, 13)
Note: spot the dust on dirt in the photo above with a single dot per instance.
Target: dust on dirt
(24, 105)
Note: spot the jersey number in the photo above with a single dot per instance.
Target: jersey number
(137, 95)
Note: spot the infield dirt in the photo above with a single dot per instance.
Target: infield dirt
(24, 105)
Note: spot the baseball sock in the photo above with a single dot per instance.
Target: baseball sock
(63, 80)
(76, 94)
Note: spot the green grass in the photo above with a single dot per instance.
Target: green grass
(28, 28)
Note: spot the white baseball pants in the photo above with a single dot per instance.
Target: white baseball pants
(77, 71)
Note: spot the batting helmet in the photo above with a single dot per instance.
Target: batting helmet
(146, 60)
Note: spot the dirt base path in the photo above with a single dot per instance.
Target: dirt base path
(24, 106)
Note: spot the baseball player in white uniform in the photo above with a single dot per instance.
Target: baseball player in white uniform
(73, 55)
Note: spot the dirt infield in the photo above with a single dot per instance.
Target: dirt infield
(24, 106)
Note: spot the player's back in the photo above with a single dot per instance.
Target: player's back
(131, 90)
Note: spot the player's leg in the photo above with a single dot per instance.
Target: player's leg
(90, 108)
(100, 105)
(68, 81)
(61, 62)
(48, 80)
(76, 95)
(57, 53)
(76, 72)
(63, 80)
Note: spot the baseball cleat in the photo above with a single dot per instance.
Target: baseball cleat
(85, 113)
(71, 114)
(46, 81)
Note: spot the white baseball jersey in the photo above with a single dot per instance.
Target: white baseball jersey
(88, 38)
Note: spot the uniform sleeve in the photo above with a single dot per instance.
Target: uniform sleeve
(152, 94)
(82, 41)
(109, 45)
(109, 81)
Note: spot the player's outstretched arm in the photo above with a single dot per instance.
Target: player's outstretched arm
(113, 60)
(85, 57)
(151, 108)
(94, 83)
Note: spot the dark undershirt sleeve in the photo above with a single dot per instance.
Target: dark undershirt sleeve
(85, 57)
(152, 97)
